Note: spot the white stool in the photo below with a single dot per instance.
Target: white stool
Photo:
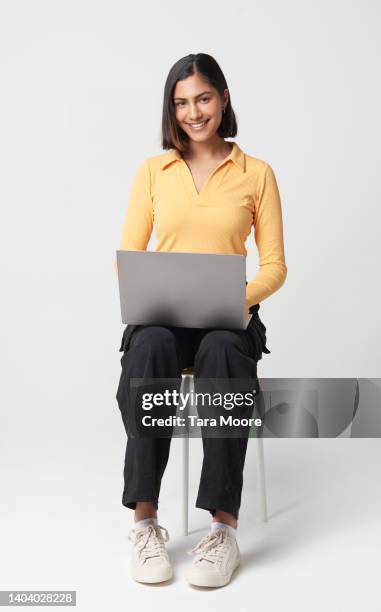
(188, 380)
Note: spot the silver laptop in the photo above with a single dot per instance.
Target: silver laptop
(182, 289)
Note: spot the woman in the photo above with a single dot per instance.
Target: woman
(203, 195)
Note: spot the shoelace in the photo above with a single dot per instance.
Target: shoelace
(149, 541)
(211, 547)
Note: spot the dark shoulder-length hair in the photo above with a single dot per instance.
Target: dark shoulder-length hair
(173, 137)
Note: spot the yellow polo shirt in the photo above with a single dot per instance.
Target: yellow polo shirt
(239, 194)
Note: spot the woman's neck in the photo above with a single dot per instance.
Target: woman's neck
(214, 149)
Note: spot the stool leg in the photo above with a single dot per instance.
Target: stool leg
(185, 443)
(185, 476)
(261, 480)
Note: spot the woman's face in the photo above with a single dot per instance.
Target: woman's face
(198, 107)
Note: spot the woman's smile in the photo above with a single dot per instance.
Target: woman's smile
(199, 125)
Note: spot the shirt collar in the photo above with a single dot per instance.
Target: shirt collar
(237, 156)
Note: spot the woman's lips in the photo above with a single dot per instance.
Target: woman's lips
(199, 125)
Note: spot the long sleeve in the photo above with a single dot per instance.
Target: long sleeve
(138, 221)
(268, 233)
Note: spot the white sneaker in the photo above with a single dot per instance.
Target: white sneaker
(149, 559)
(217, 557)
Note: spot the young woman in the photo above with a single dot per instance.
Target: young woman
(203, 195)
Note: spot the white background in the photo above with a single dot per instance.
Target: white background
(81, 94)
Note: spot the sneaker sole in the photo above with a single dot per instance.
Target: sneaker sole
(196, 578)
(161, 576)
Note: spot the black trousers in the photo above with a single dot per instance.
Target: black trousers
(162, 352)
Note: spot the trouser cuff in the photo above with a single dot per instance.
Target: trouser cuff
(212, 507)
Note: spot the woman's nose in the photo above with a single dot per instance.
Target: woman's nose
(194, 112)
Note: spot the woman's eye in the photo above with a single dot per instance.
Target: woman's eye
(201, 99)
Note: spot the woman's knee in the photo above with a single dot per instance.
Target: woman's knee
(155, 338)
(218, 340)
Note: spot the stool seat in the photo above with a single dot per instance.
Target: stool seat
(186, 371)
